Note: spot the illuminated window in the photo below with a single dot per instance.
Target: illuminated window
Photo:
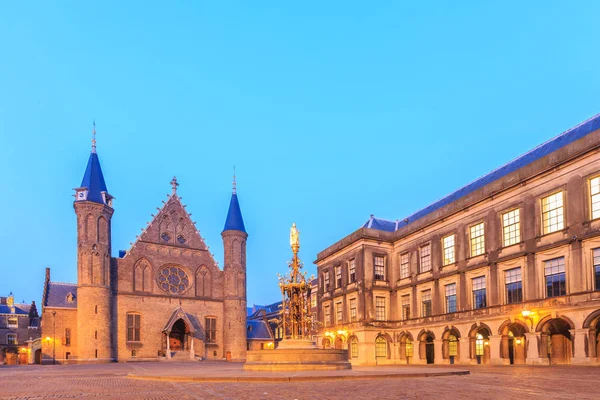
(327, 313)
(406, 307)
(379, 268)
(479, 295)
(338, 276)
(597, 267)
(409, 348)
(451, 298)
(211, 329)
(313, 300)
(511, 227)
(326, 280)
(552, 213)
(448, 244)
(352, 310)
(404, 266)
(354, 347)
(477, 240)
(595, 194)
(514, 285)
(11, 338)
(13, 322)
(554, 271)
(352, 270)
(479, 344)
(338, 312)
(426, 303)
(452, 345)
(425, 258)
(380, 308)
(381, 347)
(133, 327)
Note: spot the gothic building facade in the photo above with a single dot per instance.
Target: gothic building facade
(164, 297)
(506, 270)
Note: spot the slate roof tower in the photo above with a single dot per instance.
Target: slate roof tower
(234, 246)
(93, 207)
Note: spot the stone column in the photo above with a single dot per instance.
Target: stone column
(578, 337)
(168, 345)
(533, 349)
(495, 343)
(438, 352)
(192, 353)
(463, 353)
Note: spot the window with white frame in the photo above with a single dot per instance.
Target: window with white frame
(426, 309)
(354, 347)
(379, 263)
(338, 276)
(404, 266)
(380, 308)
(406, 307)
(513, 281)
(353, 316)
(554, 272)
(552, 213)
(327, 319)
(511, 227)
(597, 268)
(595, 196)
(338, 312)
(11, 338)
(451, 298)
(133, 327)
(448, 245)
(477, 236)
(479, 292)
(12, 322)
(425, 256)
(326, 281)
(352, 270)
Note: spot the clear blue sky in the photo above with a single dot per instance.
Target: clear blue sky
(330, 111)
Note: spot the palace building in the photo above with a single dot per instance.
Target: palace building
(506, 270)
(164, 297)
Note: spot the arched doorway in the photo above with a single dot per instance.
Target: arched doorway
(513, 345)
(450, 345)
(479, 343)
(177, 335)
(38, 356)
(556, 343)
(406, 347)
(339, 342)
(592, 322)
(326, 343)
(426, 347)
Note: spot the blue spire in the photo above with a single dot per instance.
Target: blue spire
(93, 180)
(234, 221)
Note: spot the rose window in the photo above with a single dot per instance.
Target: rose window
(173, 280)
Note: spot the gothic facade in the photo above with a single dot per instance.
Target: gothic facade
(164, 297)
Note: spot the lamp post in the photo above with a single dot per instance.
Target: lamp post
(54, 337)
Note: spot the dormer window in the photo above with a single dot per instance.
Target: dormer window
(181, 239)
(13, 322)
(70, 297)
(81, 194)
(165, 236)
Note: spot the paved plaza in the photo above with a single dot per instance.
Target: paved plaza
(117, 381)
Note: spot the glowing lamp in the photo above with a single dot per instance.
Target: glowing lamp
(48, 339)
(526, 313)
(487, 343)
(518, 341)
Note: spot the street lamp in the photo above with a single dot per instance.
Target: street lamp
(54, 337)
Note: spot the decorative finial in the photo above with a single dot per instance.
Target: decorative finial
(174, 184)
(94, 137)
(234, 184)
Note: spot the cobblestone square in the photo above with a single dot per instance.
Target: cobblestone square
(111, 381)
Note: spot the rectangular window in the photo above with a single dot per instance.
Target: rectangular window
(12, 322)
(425, 258)
(451, 298)
(426, 303)
(511, 227)
(380, 308)
(379, 263)
(477, 239)
(352, 271)
(211, 329)
(448, 244)
(67, 336)
(354, 348)
(597, 267)
(406, 307)
(338, 312)
(327, 313)
(11, 338)
(133, 327)
(479, 297)
(514, 285)
(313, 300)
(326, 280)
(353, 316)
(552, 213)
(404, 266)
(338, 276)
(554, 270)
(595, 194)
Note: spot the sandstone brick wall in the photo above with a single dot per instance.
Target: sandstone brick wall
(54, 328)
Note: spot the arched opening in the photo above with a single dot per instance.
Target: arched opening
(326, 343)
(556, 343)
(479, 343)
(339, 342)
(406, 347)
(381, 347)
(592, 322)
(177, 335)
(353, 348)
(38, 356)
(426, 347)
(450, 345)
(513, 345)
